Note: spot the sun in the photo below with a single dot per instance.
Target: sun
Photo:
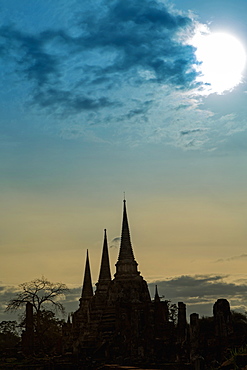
(221, 59)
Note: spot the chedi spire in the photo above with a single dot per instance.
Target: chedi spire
(156, 296)
(126, 265)
(105, 272)
(87, 288)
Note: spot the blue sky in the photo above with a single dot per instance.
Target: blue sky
(102, 97)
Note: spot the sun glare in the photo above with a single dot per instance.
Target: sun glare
(221, 60)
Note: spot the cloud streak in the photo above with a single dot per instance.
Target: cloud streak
(233, 258)
(198, 292)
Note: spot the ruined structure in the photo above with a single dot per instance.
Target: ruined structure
(117, 321)
(28, 334)
(223, 320)
(223, 326)
(211, 337)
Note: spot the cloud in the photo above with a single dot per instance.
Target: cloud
(200, 287)
(115, 243)
(140, 35)
(99, 61)
(55, 99)
(200, 292)
(193, 131)
(28, 53)
(120, 64)
(70, 301)
(125, 42)
(234, 258)
(6, 294)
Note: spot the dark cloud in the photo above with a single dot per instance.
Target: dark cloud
(124, 43)
(58, 99)
(141, 110)
(200, 292)
(142, 35)
(6, 294)
(193, 131)
(124, 65)
(70, 302)
(29, 54)
(115, 243)
(200, 286)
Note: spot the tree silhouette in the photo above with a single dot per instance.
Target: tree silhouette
(47, 332)
(41, 293)
(9, 336)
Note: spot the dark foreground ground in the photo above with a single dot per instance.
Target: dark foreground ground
(236, 362)
(58, 363)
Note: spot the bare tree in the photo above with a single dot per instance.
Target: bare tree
(41, 293)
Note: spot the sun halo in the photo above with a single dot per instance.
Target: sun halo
(221, 61)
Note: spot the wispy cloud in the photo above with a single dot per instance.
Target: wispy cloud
(115, 243)
(233, 258)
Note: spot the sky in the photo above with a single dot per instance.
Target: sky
(103, 97)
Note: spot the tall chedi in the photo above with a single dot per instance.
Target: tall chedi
(126, 265)
(80, 317)
(128, 285)
(101, 293)
(105, 273)
(117, 320)
(127, 319)
(87, 289)
(98, 302)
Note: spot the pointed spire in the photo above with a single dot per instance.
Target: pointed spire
(105, 272)
(87, 289)
(125, 247)
(156, 297)
(126, 263)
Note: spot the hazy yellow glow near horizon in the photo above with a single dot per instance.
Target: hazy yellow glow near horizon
(170, 236)
(222, 60)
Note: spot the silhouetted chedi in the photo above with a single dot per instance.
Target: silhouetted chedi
(120, 323)
(117, 319)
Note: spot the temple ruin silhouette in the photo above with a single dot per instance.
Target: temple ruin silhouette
(117, 319)
(119, 322)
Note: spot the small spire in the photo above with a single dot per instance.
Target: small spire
(156, 297)
(105, 272)
(87, 289)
